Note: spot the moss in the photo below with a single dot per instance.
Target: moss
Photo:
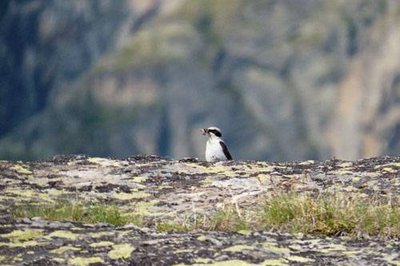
(264, 178)
(59, 260)
(392, 261)
(202, 238)
(144, 208)
(63, 234)
(22, 235)
(101, 234)
(56, 192)
(208, 181)
(330, 248)
(300, 259)
(132, 195)
(121, 251)
(21, 170)
(274, 262)
(245, 232)
(202, 260)
(103, 162)
(63, 249)
(272, 247)
(350, 253)
(238, 248)
(222, 170)
(231, 263)
(391, 165)
(345, 165)
(101, 244)
(45, 197)
(309, 162)
(82, 261)
(24, 244)
(140, 179)
(24, 195)
(389, 170)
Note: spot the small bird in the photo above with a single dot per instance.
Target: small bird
(216, 150)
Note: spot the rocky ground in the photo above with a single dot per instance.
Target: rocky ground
(168, 190)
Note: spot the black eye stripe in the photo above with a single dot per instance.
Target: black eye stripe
(216, 132)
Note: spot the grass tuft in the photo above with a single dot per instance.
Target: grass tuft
(226, 220)
(77, 212)
(324, 214)
(221, 220)
(173, 227)
(330, 215)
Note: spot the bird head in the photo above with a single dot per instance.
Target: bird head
(212, 131)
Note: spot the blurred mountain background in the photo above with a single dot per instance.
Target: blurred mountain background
(284, 80)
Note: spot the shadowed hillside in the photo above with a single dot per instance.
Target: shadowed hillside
(284, 80)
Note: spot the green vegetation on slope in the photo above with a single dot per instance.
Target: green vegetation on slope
(331, 215)
(323, 215)
(77, 212)
(326, 214)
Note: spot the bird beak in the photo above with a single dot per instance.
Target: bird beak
(204, 131)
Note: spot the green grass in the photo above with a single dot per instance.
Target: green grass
(222, 220)
(325, 214)
(77, 212)
(173, 227)
(330, 215)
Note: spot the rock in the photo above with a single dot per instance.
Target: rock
(188, 189)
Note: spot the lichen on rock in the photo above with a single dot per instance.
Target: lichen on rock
(199, 206)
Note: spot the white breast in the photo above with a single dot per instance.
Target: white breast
(214, 150)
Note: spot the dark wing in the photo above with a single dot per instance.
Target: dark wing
(225, 149)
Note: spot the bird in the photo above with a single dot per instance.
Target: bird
(216, 149)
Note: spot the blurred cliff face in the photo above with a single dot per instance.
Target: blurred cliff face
(284, 80)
